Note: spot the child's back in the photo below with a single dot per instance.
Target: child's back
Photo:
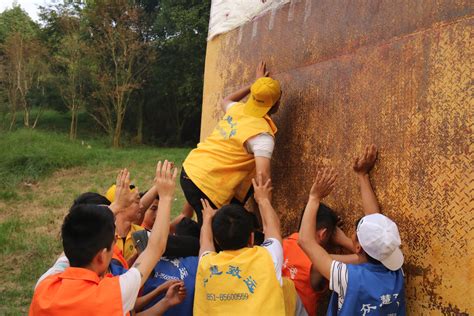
(360, 289)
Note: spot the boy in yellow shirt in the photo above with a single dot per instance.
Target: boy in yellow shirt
(242, 279)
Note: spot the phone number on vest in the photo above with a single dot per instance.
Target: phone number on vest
(227, 297)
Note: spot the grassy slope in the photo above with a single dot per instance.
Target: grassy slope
(40, 175)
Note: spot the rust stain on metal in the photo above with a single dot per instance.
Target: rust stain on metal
(396, 73)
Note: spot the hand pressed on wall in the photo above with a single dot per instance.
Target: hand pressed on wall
(261, 70)
(364, 163)
(323, 184)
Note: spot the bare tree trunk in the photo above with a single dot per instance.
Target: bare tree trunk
(117, 134)
(118, 126)
(39, 113)
(12, 121)
(38, 116)
(26, 116)
(72, 129)
(73, 108)
(75, 124)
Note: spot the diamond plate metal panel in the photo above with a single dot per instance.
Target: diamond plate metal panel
(396, 73)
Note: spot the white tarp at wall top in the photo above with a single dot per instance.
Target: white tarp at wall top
(226, 15)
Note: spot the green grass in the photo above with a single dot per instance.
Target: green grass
(28, 155)
(54, 121)
(41, 173)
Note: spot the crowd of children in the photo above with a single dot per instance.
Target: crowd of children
(124, 255)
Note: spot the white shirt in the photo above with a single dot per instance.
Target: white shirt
(129, 282)
(275, 249)
(261, 145)
(338, 280)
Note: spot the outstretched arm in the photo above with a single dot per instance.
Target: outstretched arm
(241, 93)
(319, 257)
(263, 166)
(339, 238)
(353, 258)
(147, 199)
(165, 182)
(270, 220)
(362, 167)
(206, 241)
(235, 96)
(175, 295)
(144, 300)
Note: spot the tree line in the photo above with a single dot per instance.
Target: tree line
(134, 66)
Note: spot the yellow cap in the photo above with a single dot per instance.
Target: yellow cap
(110, 194)
(264, 93)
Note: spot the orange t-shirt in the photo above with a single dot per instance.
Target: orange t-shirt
(297, 267)
(77, 291)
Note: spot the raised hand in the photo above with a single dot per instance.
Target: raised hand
(165, 179)
(262, 191)
(124, 197)
(207, 211)
(261, 70)
(323, 184)
(364, 163)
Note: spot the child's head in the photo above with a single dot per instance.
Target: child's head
(150, 215)
(326, 222)
(88, 234)
(91, 198)
(378, 238)
(132, 212)
(232, 227)
(188, 227)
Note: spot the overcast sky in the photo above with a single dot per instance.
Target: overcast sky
(30, 6)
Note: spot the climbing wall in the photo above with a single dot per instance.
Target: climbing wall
(390, 72)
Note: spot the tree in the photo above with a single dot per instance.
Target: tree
(24, 68)
(63, 34)
(121, 56)
(23, 61)
(16, 20)
(180, 32)
(71, 57)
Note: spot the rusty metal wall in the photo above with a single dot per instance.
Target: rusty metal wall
(395, 73)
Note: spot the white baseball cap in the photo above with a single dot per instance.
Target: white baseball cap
(378, 235)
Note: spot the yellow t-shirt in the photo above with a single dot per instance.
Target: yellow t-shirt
(220, 166)
(127, 247)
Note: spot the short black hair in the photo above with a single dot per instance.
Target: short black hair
(91, 198)
(232, 226)
(86, 230)
(369, 258)
(326, 218)
(187, 227)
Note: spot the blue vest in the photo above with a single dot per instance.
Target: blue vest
(372, 290)
(183, 269)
